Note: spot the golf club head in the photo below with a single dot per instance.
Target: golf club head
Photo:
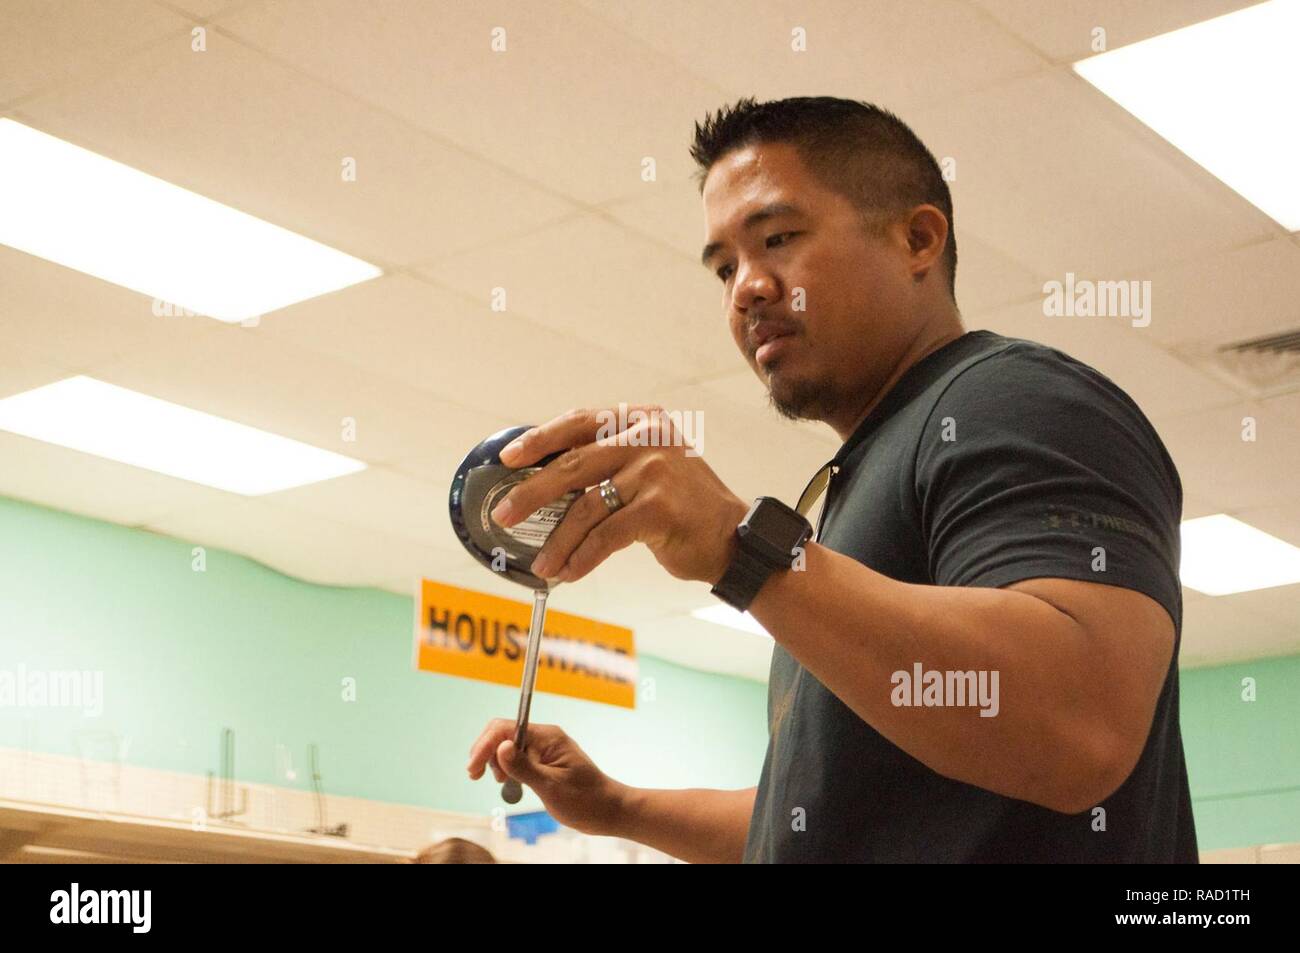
(481, 481)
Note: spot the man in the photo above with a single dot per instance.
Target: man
(976, 660)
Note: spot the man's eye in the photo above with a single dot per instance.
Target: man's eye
(724, 271)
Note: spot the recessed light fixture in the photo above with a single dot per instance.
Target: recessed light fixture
(725, 615)
(85, 414)
(1222, 555)
(1220, 91)
(76, 208)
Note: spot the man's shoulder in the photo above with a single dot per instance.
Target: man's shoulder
(1019, 390)
(998, 354)
(1019, 374)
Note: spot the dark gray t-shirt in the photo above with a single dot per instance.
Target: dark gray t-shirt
(991, 461)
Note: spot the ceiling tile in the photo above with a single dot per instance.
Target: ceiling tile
(282, 157)
(859, 50)
(1220, 630)
(1281, 521)
(292, 392)
(63, 317)
(381, 500)
(742, 388)
(205, 9)
(1196, 506)
(1216, 463)
(1066, 34)
(49, 42)
(1054, 175)
(1280, 605)
(19, 372)
(987, 278)
(1227, 296)
(552, 107)
(597, 281)
(667, 213)
(450, 343)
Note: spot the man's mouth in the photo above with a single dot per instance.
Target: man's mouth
(773, 346)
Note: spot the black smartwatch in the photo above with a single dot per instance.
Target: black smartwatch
(766, 540)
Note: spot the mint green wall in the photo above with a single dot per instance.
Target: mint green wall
(1243, 757)
(186, 653)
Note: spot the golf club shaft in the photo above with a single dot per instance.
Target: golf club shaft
(531, 656)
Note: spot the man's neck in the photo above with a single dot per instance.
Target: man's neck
(928, 340)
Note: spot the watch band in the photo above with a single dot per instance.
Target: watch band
(742, 580)
(767, 540)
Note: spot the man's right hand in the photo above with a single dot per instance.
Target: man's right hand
(574, 791)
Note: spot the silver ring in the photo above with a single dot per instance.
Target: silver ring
(609, 493)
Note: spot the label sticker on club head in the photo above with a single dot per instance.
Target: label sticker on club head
(537, 527)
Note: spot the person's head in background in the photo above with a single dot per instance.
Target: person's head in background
(454, 850)
(849, 248)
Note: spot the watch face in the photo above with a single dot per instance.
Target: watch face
(775, 527)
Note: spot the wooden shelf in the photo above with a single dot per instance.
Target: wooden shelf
(46, 833)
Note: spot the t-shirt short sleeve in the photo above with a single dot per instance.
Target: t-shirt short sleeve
(1033, 464)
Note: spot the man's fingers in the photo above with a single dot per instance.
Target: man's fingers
(519, 765)
(560, 433)
(568, 430)
(586, 464)
(617, 531)
(493, 726)
(483, 751)
(574, 469)
(587, 512)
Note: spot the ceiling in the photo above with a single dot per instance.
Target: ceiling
(522, 170)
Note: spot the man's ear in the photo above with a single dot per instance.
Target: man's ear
(927, 237)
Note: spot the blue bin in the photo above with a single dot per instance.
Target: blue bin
(528, 827)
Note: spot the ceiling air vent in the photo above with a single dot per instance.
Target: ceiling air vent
(1259, 367)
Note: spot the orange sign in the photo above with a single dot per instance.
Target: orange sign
(476, 635)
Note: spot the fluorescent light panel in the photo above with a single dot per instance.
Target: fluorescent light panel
(76, 208)
(1222, 555)
(85, 414)
(1224, 92)
(725, 615)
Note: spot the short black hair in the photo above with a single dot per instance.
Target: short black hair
(863, 152)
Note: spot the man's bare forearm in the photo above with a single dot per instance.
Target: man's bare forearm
(853, 628)
(699, 825)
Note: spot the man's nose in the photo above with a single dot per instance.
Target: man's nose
(754, 289)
